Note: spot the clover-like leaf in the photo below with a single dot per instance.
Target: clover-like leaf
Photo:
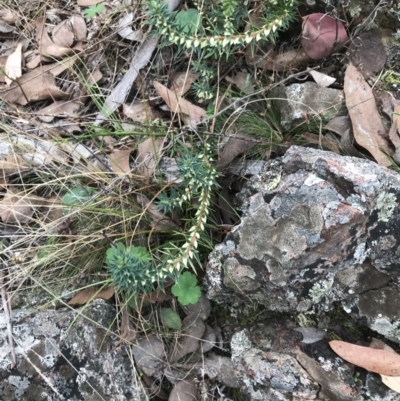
(186, 289)
(171, 319)
(93, 10)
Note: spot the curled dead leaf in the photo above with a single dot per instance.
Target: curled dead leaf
(62, 35)
(185, 390)
(178, 104)
(369, 131)
(19, 207)
(13, 67)
(34, 86)
(148, 153)
(274, 61)
(193, 329)
(89, 294)
(159, 221)
(182, 81)
(321, 140)
(120, 162)
(47, 47)
(65, 108)
(125, 30)
(141, 112)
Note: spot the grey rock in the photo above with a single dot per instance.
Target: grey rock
(149, 353)
(300, 102)
(275, 362)
(65, 354)
(317, 228)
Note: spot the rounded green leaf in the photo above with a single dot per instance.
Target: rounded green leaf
(171, 319)
(77, 196)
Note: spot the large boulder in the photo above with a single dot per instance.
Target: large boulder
(317, 228)
(318, 236)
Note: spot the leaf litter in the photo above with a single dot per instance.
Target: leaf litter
(50, 91)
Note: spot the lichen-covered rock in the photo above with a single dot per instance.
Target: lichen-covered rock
(302, 101)
(317, 228)
(64, 354)
(271, 362)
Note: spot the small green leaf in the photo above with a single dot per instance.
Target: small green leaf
(171, 319)
(93, 10)
(186, 289)
(188, 21)
(77, 196)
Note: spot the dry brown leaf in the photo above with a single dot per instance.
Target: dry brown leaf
(85, 3)
(119, 161)
(3, 60)
(56, 69)
(5, 28)
(47, 47)
(13, 67)
(182, 81)
(185, 390)
(79, 27)
(148, 153)
(141, 112)
(69, 31)
(32, 87)
(369, 131)
(177, 104)
(64, 108)
(374, 360)
(19, 207)
(13, 163)
(62, 35)
(339, 124)
(368, 53)
(89, 294)
(322, 141)
(394, 133)
(34, 61)
(125, 29)
(244, 81)
(235, 146)
(193, 329)
(291, 59)
(158, 295)
(149, 354)
(159, 220)
(393, 382)
(9, 16)
(91, 78)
